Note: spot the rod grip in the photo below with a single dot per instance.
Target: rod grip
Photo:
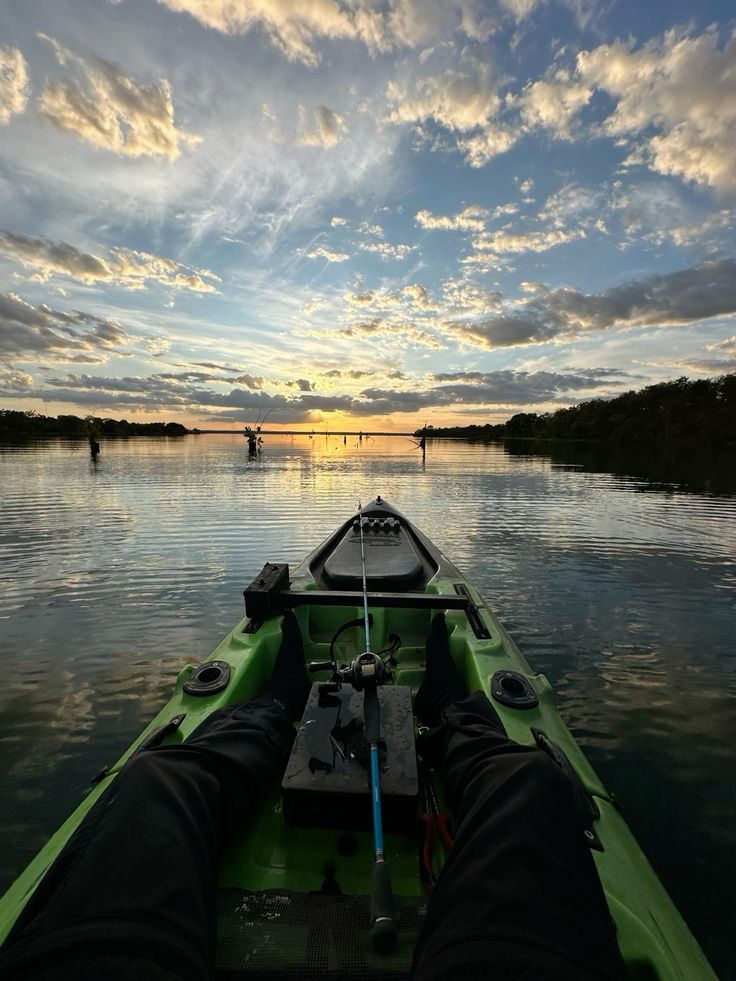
(372, 715)
(383, 917)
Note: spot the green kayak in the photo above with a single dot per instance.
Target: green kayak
(276, 879)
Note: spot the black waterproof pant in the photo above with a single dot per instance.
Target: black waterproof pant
(132, 895)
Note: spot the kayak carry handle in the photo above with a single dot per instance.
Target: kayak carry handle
(383, 918)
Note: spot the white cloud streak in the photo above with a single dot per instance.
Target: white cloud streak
(14, 83)
(331, 255)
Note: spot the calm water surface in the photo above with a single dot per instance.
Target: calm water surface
(615, 575)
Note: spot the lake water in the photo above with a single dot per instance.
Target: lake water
(615, 573)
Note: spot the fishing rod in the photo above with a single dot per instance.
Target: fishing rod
(371, 672)
(365, 673)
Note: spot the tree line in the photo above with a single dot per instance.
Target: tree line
(681, 410)
(15, 423)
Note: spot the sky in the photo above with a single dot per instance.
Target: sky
(365, 214)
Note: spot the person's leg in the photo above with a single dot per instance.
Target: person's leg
(132, 894)
(519, 896)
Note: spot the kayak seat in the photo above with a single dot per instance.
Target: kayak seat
(281, 934)
(391, 560)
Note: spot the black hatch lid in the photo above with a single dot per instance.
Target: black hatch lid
(391, 560)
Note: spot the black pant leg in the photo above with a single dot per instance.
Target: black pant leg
(132, 894)
(519, 896)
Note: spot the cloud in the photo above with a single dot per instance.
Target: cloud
(572, 202)
(507, 387)
(15, 381)
(554, 102)
(418, 296)
(679, 298)
(331, 255)
(386, 250)
(337, 221)
(14, 84)
(657, 211)
(320, 126)
(463, 297)
(728, 346)
(360, 299)
(402, 332)
(683, 86)
(520, 9)
(470, 219)
(458, 100)
(110, 110)
(295, 28)
(124, 267)
(677, 94)
(491, 142)
(40, 332)
(490, 245)
(465, 102)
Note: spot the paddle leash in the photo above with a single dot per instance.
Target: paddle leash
(370, 672)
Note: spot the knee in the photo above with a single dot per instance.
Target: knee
(543, 780)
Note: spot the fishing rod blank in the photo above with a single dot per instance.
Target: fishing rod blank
(383, 920)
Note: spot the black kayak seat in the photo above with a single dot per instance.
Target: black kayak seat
(391, 560)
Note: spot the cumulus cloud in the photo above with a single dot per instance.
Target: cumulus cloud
(483, 146)
(387, 251)
(675, 95)
(40, 332)
(124, 267)
(324, 252)
(470, 219)
(458, 100)
(337, 221)
(463, 297)
(295, 28)
(418, 296)
(683, 297)
(554, 102)
(364, 299)
(674, 103)
(403, 332)
(320, 126)
(728, 346)
(466, 102)
(15, 381)
(490, 245)
(14, 84)
(112, 111)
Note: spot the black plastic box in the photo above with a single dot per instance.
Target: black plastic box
(327, 779)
